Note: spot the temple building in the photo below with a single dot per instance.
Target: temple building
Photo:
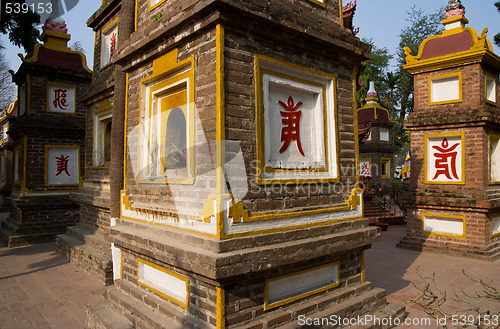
(7, 117)
(376, 149)
(233, 189)
(47, 139)
(455, 131)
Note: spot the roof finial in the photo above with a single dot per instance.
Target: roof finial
(454, 8)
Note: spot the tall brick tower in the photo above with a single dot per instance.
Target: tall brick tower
(239, 205)
(48, 138)
(455, 131)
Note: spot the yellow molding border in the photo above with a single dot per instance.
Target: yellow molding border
(494, 235)
(491, 137)
(126, 203)
(320, 3)
(388, 161)
(268, 306)
(495, 79)
(448, 134)
(220, 129)
(125, 127)
(431, 234)
(259, 113)
(482, 49)
(239, 214)
(221, 308)
(166, 71)
(151, 8)
(49, 83)
(356, 121)
(164, 270)
(341, 11)
(444, 76)
(104, 30)
(104, 108)
(47, 162)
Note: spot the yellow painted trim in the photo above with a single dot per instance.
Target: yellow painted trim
(151, 8)
(136, 14)
(449, 134)
(388, 161)
(356, 121)
(341, 11)
(444, 76)
(221, 308)
(164, 270)
(238, 213)
(125, 202)
(105, 29)
(491, 227)
(260, 122)
(49, 83)
(165, 72)
(375, 105)
(55, 46)
(455, 19)
(319, 3)
(495, 79)
(431, 234)
(121, 264)
(220, 129)
(363, 267)
(261, 162)
(289, 300)
(47, 162)
(104, 109)
(125, 126)
(491, 137)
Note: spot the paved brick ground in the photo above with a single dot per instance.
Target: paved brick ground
(40, 289)
(393, 269)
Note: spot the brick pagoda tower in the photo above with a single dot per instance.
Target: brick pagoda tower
(238, 204)
(455, 131)
(48, 139)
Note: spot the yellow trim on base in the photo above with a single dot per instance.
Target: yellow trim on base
(268, 306)
(431, 234)
(176, 275)
(491, 137)
(151, 8)
(221, 308)
(220, 129)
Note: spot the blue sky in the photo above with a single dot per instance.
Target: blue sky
(381, 20)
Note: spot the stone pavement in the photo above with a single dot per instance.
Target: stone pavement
(393, 269)
(40, 289)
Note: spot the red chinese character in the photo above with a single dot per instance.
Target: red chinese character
(292, 121)
(60, 99)
(446, 160)
(365, 169)
(62, 165)
(112, 47)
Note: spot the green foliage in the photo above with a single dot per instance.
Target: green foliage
(21, 27)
